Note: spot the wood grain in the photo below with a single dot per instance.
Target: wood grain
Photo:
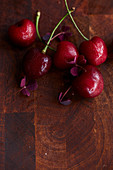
(37, 132)
(101, 7)
(19, 141)
(2, 141)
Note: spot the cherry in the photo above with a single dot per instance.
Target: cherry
(94, 50)
(36, 64)
(90, 83)
(66, 52)
(22, 33)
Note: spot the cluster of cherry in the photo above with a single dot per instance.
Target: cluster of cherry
(88, 80)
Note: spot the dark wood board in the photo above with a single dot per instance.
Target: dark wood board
(37, 132)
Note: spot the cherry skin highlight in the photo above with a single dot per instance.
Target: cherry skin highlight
(94, 50)
(90, 83)
(22, 33)
(36, 64)
(66, 52)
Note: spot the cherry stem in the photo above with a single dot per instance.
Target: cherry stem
(37, 29)
(65, 93)
(45, 49)
(37, 23)
(75, 22)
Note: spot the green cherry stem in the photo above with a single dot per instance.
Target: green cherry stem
(75, 22)
(37, 23)
(45, 49)
(37, 29)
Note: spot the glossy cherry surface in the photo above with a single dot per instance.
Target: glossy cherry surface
(89, 83)
(36, 64)
(22, 33)
(94, 50)
(66, 52)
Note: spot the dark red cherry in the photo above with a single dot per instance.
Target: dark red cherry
(66, 52)
(22, 33)
(36, 64)
(90, 83)
(94, 50)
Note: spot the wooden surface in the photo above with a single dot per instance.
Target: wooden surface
(37, 132)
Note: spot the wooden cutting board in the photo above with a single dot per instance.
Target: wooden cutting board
(37, 132)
